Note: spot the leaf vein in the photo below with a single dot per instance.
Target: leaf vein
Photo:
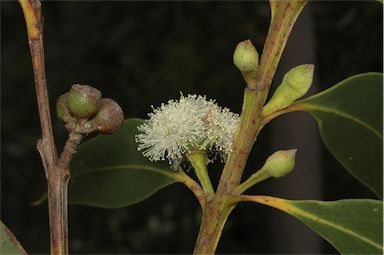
(345, 115)
(165, 172)
(314, 218)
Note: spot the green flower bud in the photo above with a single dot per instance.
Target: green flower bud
(295, 84)
(61, 107)
(245, 57)
(280, 163)
(110, 117)
(83, 101)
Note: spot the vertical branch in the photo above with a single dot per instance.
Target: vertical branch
(284, 15)
(57, 172)
(57, 197)
(33, 19)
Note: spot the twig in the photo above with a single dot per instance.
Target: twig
(292, 108)
(69, 149)
(57, 196)
(182, 177)
(56, 170)
(33, 19)
(284, 15)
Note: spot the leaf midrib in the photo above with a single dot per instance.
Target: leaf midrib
(165, 172)
(315, 218)
(310, 106)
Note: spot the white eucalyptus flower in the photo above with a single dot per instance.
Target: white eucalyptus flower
(222, 126)
(191, 123)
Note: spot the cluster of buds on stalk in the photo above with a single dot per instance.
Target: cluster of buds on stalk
(295, 84)
(84, 111)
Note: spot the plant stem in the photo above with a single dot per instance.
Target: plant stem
(250, 121)
(57, 196)
(292, 108)
(284, 15)
(217, 212)
(57, 206)
(56, 170)
(69, 149)
(32, 14)
(255, 178)
(212, 224)
(198, 160)
(182, 177)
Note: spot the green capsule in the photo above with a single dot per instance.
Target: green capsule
(83, 101)
(280, 163)
(61, 107)
(295, 84)
(246, 57)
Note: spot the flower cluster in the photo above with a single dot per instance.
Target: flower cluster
(181, 126)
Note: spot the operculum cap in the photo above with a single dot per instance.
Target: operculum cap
(83, 101)
(280, 163)
(246, 57)
(110, 117)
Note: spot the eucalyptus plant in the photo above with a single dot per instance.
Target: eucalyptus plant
(180, 138)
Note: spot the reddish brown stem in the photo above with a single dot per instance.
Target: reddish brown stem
(32, 14)
(57, 196)
(57, 171)
(57, 206)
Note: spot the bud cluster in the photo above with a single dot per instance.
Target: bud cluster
(84, 111)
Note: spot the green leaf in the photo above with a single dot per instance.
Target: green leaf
(9, 243)
(350, 118)
(109, 172)
(352, 226)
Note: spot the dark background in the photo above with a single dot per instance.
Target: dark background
(145, 53)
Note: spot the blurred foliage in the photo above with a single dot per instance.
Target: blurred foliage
(143, 54)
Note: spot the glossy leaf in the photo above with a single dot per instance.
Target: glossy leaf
(352, 226)
(109, 172)
(350, 118)
(9, 243)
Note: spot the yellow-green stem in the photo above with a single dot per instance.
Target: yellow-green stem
(198, 160)
(292, 108)
(182, 177)
(255, 178)
(285, 14)
(218, 210)
(250, 121)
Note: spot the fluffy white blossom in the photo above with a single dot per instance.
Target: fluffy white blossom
(221, 129)
(191, 123)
